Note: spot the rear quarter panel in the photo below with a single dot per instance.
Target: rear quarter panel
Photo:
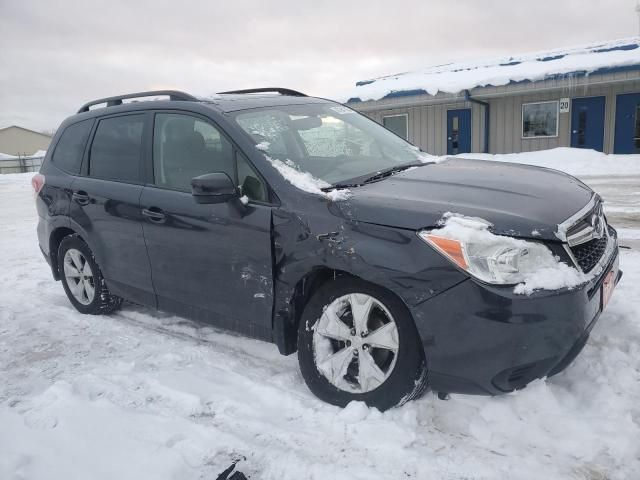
(52, 203)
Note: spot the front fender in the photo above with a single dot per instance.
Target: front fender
(393, 258)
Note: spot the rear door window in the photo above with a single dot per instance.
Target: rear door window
(68, 152)
(117, 148)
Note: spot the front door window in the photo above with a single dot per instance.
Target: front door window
(185, 147)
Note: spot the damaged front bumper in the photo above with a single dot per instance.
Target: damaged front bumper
(485, 339)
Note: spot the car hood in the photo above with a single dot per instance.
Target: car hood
(519, 200)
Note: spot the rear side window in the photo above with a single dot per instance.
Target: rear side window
(68, 152)
(117, 148)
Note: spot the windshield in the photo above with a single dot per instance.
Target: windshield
(331, 142)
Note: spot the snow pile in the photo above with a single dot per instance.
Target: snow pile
(142, 394)
(6, 156)
(457, 77)
(307, 182)
(574, 161)
(425, 157)
(541, 269)
(552, 276)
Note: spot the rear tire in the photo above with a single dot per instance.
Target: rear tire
(82, 279)
(346, 354)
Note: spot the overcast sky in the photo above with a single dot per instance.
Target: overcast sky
(56, 55)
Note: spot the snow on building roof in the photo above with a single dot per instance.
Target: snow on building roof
(603, 57)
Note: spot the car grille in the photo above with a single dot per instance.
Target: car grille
(588, 238)
(589, 254)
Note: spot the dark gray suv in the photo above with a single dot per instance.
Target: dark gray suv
(298, 221)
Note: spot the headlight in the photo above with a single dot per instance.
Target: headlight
(492, 258)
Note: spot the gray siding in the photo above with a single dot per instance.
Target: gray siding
(20, 141)
(428, 125)
(506, 118)
(427, 115)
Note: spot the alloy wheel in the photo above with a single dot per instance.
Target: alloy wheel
(355, 343)
(79, 276)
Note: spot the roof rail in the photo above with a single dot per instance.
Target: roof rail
(117, 100)
(281, 91)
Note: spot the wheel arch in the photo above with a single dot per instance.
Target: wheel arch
(293, 300)
(55, 239)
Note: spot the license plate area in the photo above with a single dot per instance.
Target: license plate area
(608, 285)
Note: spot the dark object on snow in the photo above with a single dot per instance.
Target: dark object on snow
(234, 476)
(298, 221)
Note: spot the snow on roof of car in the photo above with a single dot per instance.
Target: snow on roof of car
(603, 57)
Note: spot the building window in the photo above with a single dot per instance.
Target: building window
(540, 119)
(398, 124)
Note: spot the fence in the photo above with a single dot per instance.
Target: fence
(20, 164)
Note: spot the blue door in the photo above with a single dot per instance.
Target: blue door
(458, 131)
(587, 123)
(627, 137)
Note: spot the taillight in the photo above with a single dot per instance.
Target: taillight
(37, 182)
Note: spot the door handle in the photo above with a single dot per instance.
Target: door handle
(81, 197)
(154, 214)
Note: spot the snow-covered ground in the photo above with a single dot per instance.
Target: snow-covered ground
(141, 394)
(574, 161)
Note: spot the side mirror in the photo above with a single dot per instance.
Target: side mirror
(213, 188)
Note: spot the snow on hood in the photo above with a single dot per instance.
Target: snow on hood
(457, 77)
(549, 273)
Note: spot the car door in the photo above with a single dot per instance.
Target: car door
(106, 205)
(209, 261)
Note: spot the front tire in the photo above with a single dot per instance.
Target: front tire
(357, 341)
(82, 279)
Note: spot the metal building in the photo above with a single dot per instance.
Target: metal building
(21, 141)
(584, 97)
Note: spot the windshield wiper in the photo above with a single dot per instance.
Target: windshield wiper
(390, 171)
(340, 185)
(379, 175)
